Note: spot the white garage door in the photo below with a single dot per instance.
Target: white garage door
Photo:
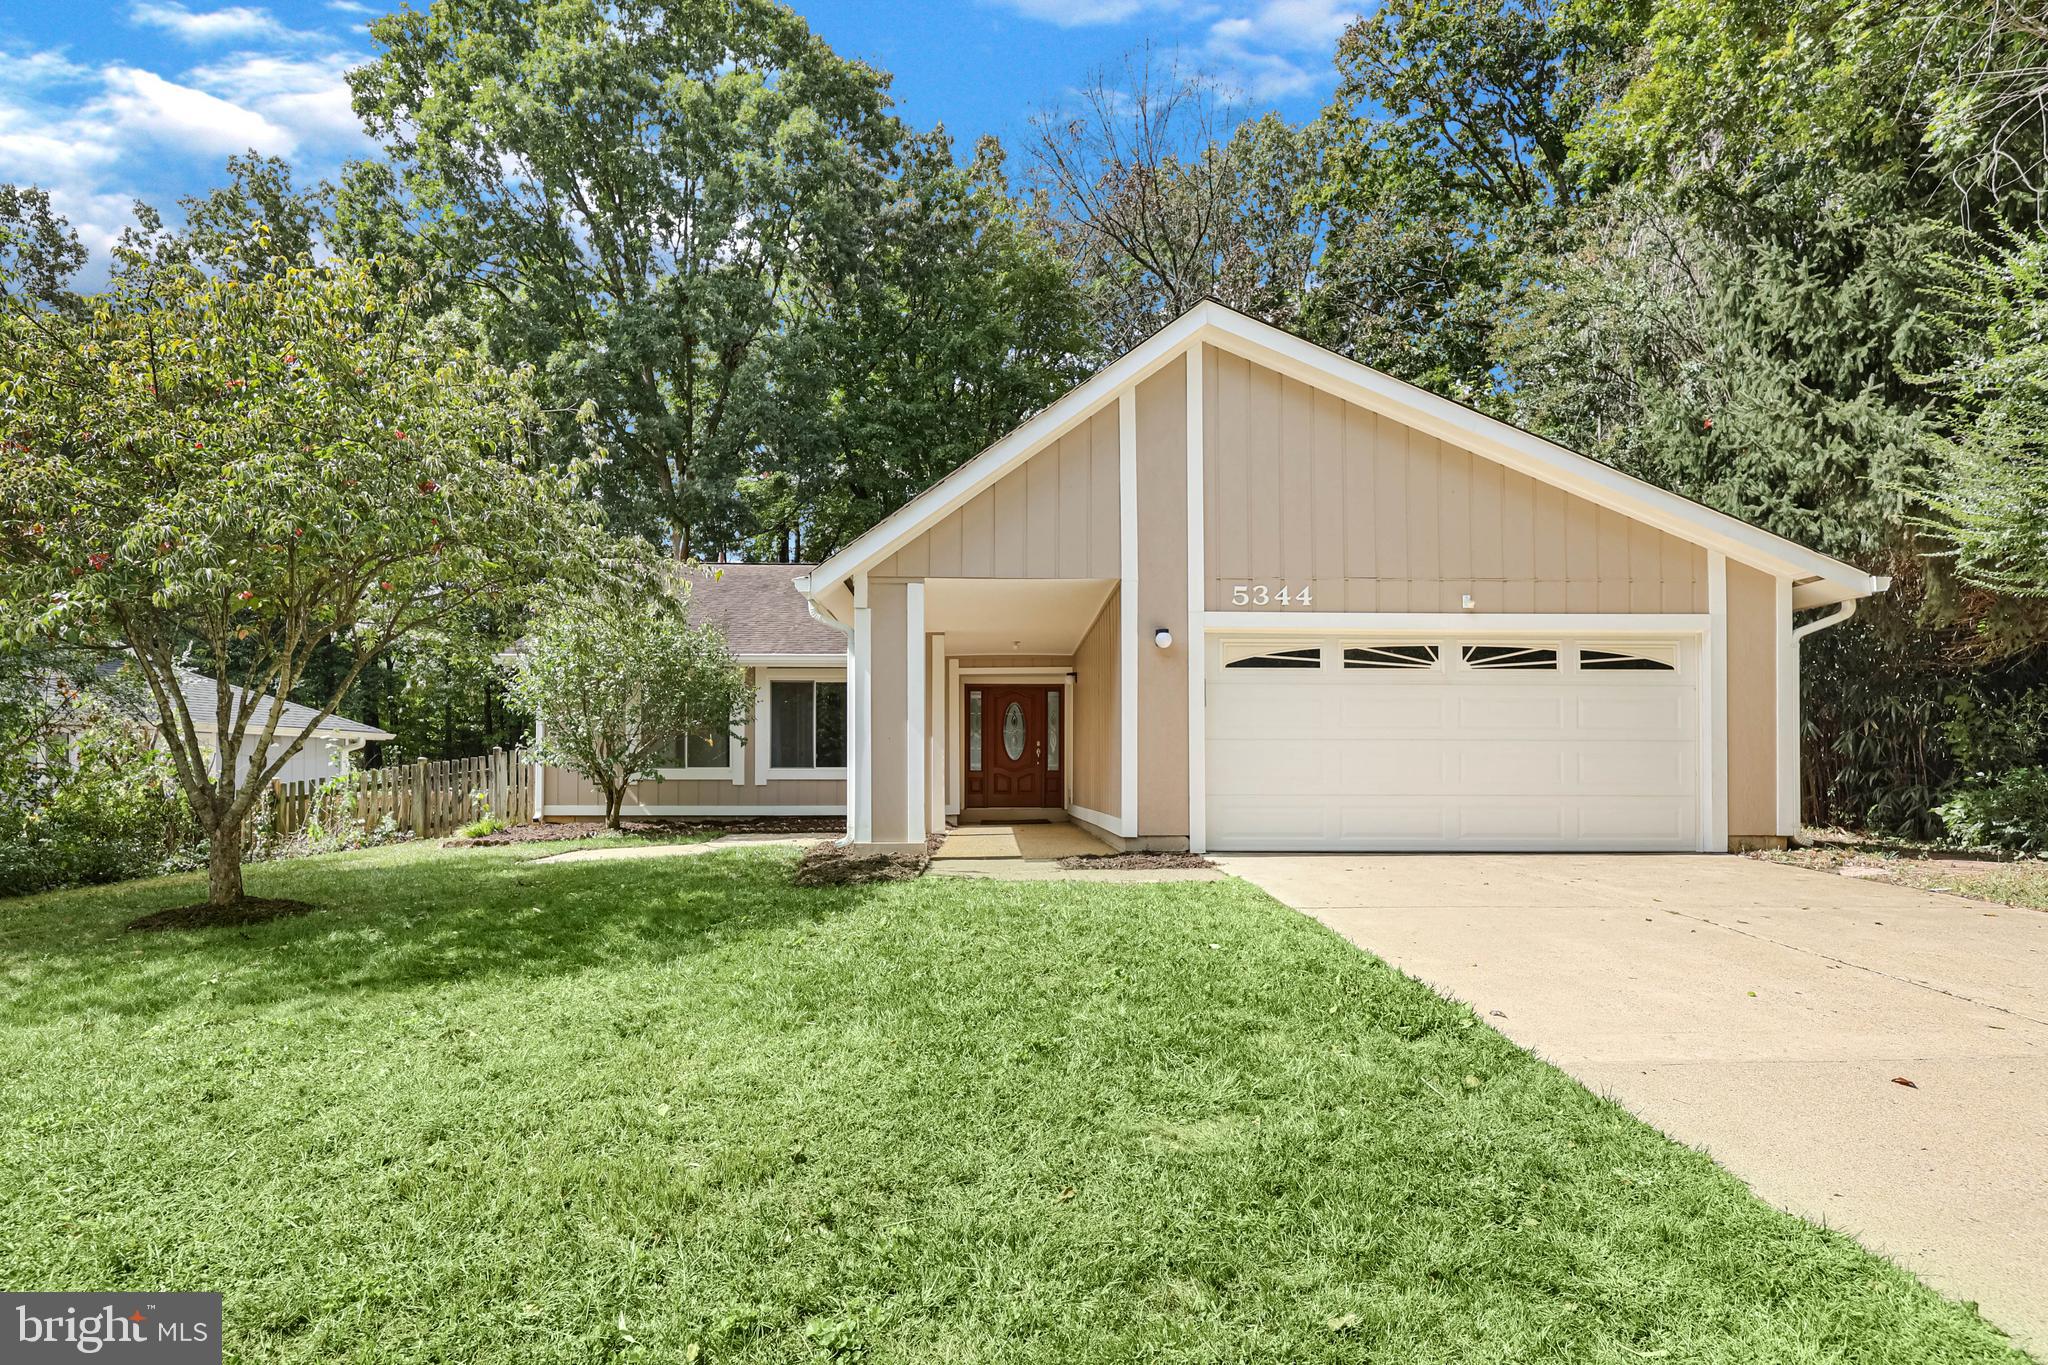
(1449, 743)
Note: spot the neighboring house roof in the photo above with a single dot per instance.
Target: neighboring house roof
(200, 695)
(1821, 578)
(760, 611)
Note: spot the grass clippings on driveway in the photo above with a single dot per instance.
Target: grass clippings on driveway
(2021, 882)
(477, 1110)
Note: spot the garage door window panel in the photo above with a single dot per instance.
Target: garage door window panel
(1392, 656)
(1647, 658)
(1273, 656)
(1534, 658)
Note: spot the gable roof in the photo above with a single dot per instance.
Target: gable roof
(1821, 579)
(200, 695)
(759, 610)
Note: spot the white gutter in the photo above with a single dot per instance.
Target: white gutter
(1843, 611)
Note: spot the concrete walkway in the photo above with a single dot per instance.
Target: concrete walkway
(1760, 1012)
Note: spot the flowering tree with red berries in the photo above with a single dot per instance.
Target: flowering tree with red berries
(224, 473)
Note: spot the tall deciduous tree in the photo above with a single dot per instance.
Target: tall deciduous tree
(956, 322)
(39, 253)
(225, 472)
(617, 684)
(1159, 195)
(635, 191)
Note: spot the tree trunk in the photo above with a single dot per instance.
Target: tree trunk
(224, 865)
(612, 801)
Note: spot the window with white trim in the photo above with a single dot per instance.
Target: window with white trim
(1540, 657)
(1263, 656)
(1651, 657)
(806, 725)
(1391, 656)
(709, 755)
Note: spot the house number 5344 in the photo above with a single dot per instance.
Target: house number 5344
(1259, 595)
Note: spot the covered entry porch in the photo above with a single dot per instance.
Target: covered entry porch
(985, 699)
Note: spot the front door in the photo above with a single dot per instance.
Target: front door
(1015, 745)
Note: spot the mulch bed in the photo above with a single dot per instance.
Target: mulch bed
(563, 831)
(248, 910)
(828, 864)
(1134, 862)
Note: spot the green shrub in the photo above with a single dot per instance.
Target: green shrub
(112, 814)
(2000, 810)
(488, 824)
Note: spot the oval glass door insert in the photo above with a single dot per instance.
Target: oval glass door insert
(1013, 731)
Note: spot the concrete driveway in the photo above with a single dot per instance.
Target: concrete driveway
(1760, 1012)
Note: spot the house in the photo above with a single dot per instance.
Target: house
(330, 746)
(790, 758)
(1237, 592)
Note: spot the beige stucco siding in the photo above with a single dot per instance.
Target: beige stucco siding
(1162, 717)
(1054, 516)
(563, 788)
(1304, 490)
(1094, 746)
(1752, 703)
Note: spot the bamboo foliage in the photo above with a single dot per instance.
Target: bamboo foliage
(427, 798)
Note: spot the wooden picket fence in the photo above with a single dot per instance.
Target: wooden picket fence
(429, 798)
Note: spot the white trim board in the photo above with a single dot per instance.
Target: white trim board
(1108, 823)
(1048, 674)
(1197, 643)
(630, 809)
(1462, 623)
(1127, 612)
(1820, 578)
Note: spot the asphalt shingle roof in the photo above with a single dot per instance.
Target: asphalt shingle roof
(199, 696)
(759, 609)
(199, 700)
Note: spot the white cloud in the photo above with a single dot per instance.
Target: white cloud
(210, 26)
(25, 70)
(1271, 49)
(1281, 48)
(143, 105)
(308, 96)
(350, 7)
(1083, 13)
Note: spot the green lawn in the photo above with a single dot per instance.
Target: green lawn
(480, 1110)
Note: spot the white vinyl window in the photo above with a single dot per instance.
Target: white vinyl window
(694, 757)
(806, 727)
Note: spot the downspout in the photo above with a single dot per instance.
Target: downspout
(1844, 609)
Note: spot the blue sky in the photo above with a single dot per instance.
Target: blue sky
(101, 103)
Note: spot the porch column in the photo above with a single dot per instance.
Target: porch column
(891, 660)
(936, 731)
(860, 715)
